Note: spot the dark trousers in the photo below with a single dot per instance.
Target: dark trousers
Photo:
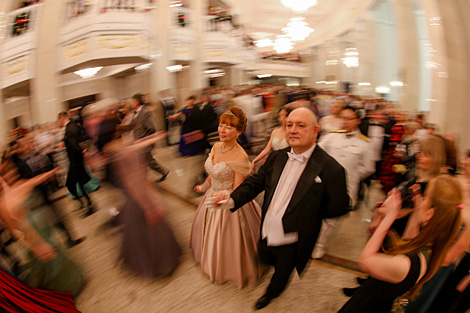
(153, 164)
(283, 258)
(77, 175)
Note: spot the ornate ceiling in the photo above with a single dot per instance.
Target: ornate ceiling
(330, 18)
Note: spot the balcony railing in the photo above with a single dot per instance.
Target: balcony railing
(77, 8)
(21, 21)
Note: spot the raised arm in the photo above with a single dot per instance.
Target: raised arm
(389, 268)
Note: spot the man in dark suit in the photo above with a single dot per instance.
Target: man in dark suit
(143, 126)
(77, 174)
(303, 185)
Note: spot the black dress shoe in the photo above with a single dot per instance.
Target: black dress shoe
(90, 211)
(349, 292)
(164, 176)
(72, 243)
(263, 302)
(361, 280)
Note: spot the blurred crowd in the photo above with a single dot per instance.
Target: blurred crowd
(374, 140)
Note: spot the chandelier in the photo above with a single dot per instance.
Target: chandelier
(351, 58)
(283, 44)
(299, 5)
(88, 72)
(297, 29)
(262, 43)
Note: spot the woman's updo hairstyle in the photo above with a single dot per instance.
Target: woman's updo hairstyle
(234, 116)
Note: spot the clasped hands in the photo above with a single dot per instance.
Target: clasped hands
(219, 201)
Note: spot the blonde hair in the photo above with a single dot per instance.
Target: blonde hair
(445, 195)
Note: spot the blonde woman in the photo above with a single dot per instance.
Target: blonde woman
(408, 264)
(277, 141)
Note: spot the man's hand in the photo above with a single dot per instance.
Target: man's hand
(220, 198)
(220, 201)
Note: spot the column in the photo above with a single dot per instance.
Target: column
(386, 49)
(409, 65)
(45, 103)
(159, 49)
(197, 66)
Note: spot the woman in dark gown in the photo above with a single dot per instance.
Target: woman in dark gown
(408, 264)
(192, 136)
(149, 247)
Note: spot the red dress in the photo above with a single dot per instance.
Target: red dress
(16, 296)
(387, 176)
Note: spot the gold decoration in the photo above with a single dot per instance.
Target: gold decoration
(76, 48)
(117, 42)
(16, 65)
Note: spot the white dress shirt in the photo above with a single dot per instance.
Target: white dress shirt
(273, 229)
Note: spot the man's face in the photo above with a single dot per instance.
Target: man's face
(301, 131)
(135, 103)
(350, 120)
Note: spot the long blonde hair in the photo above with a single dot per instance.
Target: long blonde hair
(436, 149)
(445, 195)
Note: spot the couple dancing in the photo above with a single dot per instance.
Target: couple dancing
(302, 185)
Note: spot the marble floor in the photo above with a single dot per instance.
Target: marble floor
(112, 288)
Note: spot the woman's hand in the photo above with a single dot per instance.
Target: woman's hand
(392, 205)
(253, 166)
(220, 198)
(44, 252)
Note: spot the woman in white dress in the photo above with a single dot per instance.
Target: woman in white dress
(332, 121)
(277, 141)
(225, 243)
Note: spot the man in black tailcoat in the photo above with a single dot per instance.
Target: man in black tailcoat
(303, 185)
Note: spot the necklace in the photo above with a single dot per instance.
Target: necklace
(225, 151)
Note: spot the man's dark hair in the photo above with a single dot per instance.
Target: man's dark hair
(348, 107)
(139, 98)
(62, 114)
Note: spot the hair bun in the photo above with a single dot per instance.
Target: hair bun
(239, 114)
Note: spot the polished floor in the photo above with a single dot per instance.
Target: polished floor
(112, 288)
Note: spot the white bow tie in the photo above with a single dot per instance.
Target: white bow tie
(296, 157)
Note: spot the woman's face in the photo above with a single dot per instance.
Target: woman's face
(282, 117)
(335, 108)
(227, 132)
(466, 165)
(424, 161)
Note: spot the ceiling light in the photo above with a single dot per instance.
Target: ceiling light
(264, 43)
(213, 71)
(364, 84)
(297, 29)
(264, 75)
(299, 5)
(143, 67)
(396, 83)
(88, 72)
(282, 44)
(351, 58)
(174, 68)
(382, 89)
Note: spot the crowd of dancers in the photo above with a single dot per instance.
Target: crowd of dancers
(316, 167)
